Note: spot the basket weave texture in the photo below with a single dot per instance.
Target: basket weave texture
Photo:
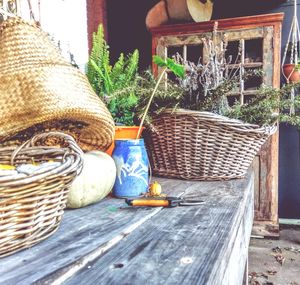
(31, 207)
(202, 146)
(41, 91)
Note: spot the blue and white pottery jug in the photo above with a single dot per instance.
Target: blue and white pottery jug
(132, 164)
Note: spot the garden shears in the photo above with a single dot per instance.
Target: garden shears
(161, 202)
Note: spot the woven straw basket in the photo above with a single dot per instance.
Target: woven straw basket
(203, 146)
(41, 91)
(31, 206)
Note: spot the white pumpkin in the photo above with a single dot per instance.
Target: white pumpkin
(95, 181)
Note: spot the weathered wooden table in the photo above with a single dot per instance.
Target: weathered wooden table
(111, 243)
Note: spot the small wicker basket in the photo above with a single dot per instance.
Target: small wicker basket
(31, 206)
(203, 146)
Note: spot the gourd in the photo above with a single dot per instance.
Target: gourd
(95, 181)
(155, 189)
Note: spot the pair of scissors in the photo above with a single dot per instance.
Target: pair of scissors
(161, 202)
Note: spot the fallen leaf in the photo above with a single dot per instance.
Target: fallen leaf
(256, 275)
(252, 274)
(254, 282)
(292, 249)
(271, 272)
(280, 259)
(277, 249)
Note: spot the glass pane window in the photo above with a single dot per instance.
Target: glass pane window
(253, 51)
(173, 50)
(247, 57)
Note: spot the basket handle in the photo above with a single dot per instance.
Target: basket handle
(71, 144)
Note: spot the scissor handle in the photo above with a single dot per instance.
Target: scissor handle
(148, 202)
(153, 202)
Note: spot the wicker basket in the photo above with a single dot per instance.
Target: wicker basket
(203, 146)
(31, 207)
(41, 91)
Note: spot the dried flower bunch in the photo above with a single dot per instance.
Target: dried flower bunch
(208, 82)
(204, 87)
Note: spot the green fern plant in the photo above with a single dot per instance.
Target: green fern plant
(113, 83)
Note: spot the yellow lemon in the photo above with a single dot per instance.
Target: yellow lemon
(7, 167)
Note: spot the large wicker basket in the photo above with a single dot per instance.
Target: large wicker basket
(203, 146)
(41, 91)
(31, 206)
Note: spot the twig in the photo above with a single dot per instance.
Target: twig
(150, 100)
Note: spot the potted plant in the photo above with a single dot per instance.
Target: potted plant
(115, 84)
(193, 133)
(130, 155)
(291, 72)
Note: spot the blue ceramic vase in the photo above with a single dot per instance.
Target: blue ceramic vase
(132, 164)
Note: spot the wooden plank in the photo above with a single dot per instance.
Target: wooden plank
(266, 218)
(239, 254)
(81, 232)
(223, 24)
(262, 229)
(256, 165)
(188, 245)
(269, 181)
(246, 275)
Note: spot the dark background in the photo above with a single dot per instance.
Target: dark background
(127, 31)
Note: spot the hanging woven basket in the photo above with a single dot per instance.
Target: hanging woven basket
(202, 146)
(32, 199)
(41, 91)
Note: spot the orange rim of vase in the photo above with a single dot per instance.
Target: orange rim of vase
(124, 133)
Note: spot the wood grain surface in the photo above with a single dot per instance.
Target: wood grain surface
(81, 231)
(111, 243)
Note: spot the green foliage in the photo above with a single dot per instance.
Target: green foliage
(169, 63)
(297, 66)
(114, 84)
(266, 107)
(98, 62)
(270, 105)
(260, 110)
(122, 105)
(167, 95)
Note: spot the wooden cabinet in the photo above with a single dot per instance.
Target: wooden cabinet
(257, 40)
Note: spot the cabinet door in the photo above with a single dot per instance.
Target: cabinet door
(256, 48)
(250, 49)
